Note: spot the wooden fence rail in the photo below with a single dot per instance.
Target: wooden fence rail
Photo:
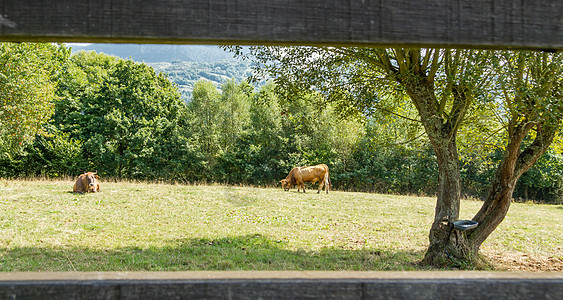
(438, 23)
(282, 285)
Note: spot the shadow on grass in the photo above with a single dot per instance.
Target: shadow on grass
(249, 252)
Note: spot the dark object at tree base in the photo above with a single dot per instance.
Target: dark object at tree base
(463, 225)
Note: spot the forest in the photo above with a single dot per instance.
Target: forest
(63, 114)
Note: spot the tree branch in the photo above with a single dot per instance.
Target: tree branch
(434, 66)
(401, 60)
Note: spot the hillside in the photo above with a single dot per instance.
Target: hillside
(186, 73)
(185, 64)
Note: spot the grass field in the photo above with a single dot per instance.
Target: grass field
(158, 227)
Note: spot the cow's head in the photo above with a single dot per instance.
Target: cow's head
(285, 184)
(92, 179)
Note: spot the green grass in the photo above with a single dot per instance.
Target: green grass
(157, 227)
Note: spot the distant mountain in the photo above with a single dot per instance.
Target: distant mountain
(159, 53)
(184, 64)
(185, 73)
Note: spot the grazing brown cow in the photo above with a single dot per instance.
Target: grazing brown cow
(299, 175)
(87, 183)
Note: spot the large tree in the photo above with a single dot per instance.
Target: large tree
(443, 85)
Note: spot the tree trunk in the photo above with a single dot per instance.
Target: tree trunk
(496, 205)
(442, 134)
(442, 243)
(513, 165)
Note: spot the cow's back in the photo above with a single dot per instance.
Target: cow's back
(314, 173)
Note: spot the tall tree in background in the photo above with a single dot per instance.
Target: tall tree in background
(203, 111)
(234, 115)
(27, 90)
(266, 117)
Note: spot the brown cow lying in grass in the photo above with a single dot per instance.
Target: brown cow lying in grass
(87, 183)
(299, 175)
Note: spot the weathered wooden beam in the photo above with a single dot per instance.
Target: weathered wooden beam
(282, 285)
(440, 23)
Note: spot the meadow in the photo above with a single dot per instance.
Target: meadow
(134, 226)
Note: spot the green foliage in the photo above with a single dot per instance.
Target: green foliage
(389, 168)
(124, 120)
(203, 112)
(55, 154)
(543, 181)
(234, 114)
(26, 90)
(127, 117)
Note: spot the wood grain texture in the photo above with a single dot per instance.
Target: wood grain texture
(282, 285)
(442, 23)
